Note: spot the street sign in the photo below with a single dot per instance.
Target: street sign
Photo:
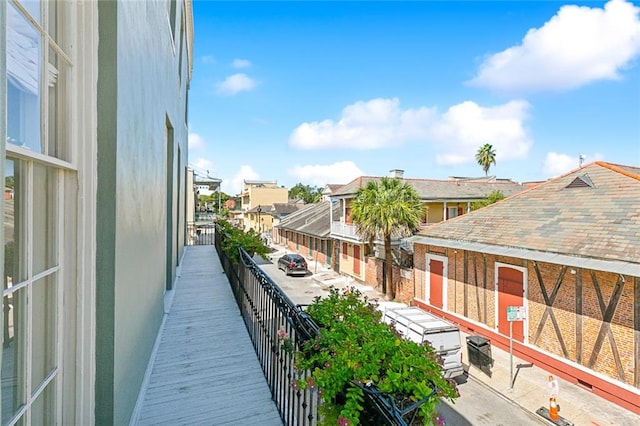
(516, 313)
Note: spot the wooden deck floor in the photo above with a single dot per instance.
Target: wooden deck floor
(205, 371)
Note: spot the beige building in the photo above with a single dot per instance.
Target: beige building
(260, 195)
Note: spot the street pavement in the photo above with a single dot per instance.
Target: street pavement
(578, 406)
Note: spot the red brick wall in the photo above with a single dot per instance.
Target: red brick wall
(304, 241)
(373, 273)
(471, 293)
(404, 281)
(404, 284)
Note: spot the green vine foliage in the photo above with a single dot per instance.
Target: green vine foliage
(355, 345)
(234, 237)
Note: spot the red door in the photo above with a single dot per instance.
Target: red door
(436, 267)
(510, 292)
(356, 260)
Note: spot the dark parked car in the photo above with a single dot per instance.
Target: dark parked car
(293, 264)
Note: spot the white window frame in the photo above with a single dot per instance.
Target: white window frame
(28, 160)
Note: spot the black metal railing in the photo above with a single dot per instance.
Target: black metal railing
(201, 234)
(277, 328)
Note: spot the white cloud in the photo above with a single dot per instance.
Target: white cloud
(202, 167)
(241, 63)
(556, 164)
(578, 46)
(364, 125)
(465, 127)
(455, 135)
(233, 186)
(235, 83)
(322, 174)
(195, 141)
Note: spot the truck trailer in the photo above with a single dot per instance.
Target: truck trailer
(419, 326)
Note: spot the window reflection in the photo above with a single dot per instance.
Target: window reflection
(12, 301)
(13, 353)
(23, 81)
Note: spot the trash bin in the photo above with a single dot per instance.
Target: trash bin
(479, 350)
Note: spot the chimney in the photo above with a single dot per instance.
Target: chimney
(396, 173)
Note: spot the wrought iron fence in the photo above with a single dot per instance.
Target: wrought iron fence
(201, 234)
(277, 328)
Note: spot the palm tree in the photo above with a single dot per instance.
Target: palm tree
(486, 156)
(383, 208)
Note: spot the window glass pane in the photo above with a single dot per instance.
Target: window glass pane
(52, 24)
(23, 81)
(43, 407)
(58, 105)
(33, 7)
(13, 353)
(45, 218)
(43, 330)
(15, 231)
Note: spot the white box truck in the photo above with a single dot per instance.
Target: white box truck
(417, 325)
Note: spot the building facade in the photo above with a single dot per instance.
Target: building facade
(306, 232)
(259, 194)
(94, 136)
(441, 199)
(566, 254)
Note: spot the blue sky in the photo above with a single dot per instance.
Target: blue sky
(323, 92)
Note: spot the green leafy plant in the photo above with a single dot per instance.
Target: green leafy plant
(354, 346)
(494, 197)
(234, 237)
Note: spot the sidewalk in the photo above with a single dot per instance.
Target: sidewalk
(578, 406)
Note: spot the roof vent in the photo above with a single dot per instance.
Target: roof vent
(583, 181)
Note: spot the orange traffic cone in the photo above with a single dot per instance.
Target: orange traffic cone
(553, 409)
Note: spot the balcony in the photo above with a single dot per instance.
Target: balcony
(218, 360)
(347, 231)
(205, 369)
(344, 230)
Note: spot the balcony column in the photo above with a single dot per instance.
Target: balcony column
(445, 212)
(330, 212)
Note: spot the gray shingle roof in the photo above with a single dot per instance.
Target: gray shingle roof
(436, 190)
(283, 209)
(312, 220)
(598, 221)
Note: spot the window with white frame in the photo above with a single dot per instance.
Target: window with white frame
(37, 155)
(452, 212)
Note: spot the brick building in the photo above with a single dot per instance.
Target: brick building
(567, 252)
(306, 232)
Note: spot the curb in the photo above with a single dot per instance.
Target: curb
(531, 414)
